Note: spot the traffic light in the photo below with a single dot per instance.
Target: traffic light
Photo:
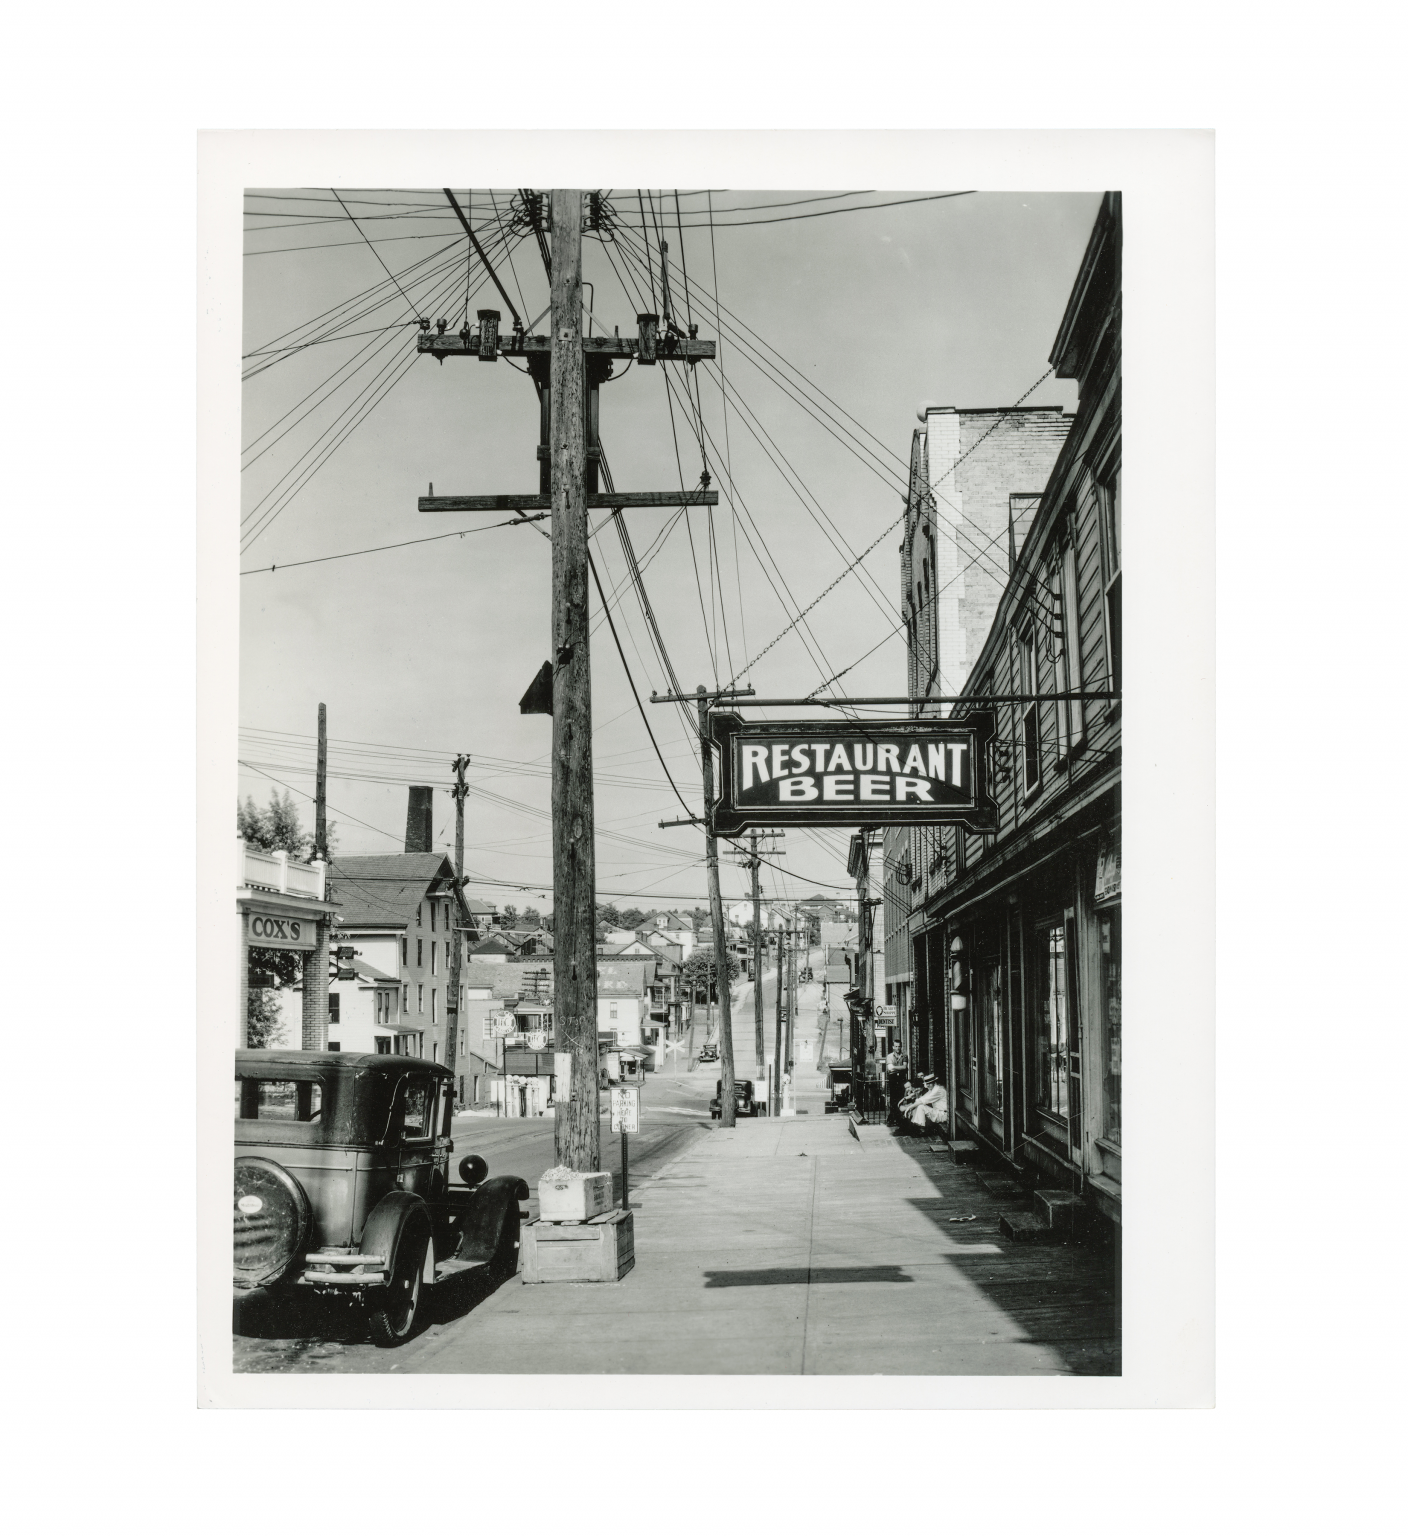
(340, 963)
(958, 975)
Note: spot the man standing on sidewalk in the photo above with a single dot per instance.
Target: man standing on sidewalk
(896, 1067)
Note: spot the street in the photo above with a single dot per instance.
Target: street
(298, 1332)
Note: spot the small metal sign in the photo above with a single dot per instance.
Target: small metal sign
(504, 1025)
(1107, 869)
(625, 1109)
(851, 773)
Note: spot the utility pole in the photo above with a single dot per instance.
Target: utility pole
(716, 910)
(757, 954)
(577, 1128)
(452, 1004)
(315, 962)
(791, 985)
(775, 1108)
(567, 370)
(320, 799)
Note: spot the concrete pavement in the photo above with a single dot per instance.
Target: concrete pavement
(784, 1246)
(792, 1247)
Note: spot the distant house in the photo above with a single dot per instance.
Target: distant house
(484, 914)
(531, 941)
(494, 948)
(623, 1000)
(674, 928)
(403, 914)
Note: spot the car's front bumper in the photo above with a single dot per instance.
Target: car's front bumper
(342, 1269)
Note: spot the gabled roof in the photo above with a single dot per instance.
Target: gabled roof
(367, 972)
(622, 978)
(500, 981)
(383, 890)
(494, 943)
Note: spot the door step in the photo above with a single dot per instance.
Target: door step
(963, 1151)
(1058, 1208)
(1025, 1227)
(1001, 1187)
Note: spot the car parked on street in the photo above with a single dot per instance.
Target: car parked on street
(342, 1183)
(744, 1102)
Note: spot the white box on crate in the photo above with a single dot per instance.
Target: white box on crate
(573, 1196)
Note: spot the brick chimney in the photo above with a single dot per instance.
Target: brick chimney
(418, 833)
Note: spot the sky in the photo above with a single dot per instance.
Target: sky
(424, 651)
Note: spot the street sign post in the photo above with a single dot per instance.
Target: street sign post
(625, 1119)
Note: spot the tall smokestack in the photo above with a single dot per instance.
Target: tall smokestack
(418, 819)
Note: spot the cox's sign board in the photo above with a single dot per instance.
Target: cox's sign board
(269, 932)
(853, 773)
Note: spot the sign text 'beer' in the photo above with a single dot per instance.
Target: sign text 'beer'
(853, 773)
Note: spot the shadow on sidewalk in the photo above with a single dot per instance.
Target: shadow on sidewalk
(1065, 1295)
(800, 1274)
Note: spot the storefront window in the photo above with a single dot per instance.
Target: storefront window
(1109, 926)
(1053, 1022)
(990, 1002)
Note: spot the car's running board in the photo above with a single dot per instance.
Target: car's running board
(447, 1267)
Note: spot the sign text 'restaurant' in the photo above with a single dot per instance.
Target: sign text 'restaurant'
(852, 773)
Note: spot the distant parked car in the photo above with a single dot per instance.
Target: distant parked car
(709, 1053)
(743, 1100)
(342, 1184)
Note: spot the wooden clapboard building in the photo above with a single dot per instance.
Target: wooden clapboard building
(1014, 936)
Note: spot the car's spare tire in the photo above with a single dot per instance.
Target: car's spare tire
(272, 1220)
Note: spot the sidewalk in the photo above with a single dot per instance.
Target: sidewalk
(795, 1247)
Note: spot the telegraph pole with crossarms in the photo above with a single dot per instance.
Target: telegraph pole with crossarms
(568, 370)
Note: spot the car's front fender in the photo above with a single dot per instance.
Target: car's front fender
(482, 1225)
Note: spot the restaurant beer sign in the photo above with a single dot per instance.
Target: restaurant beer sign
(853, 773)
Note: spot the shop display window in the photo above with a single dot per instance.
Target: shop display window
(1053, 1020)
(1109, 930)
(989, 991)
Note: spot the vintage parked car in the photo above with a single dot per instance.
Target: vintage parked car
(838, 1079)
(709, 1052)
(744, 1102)
(342, 1183)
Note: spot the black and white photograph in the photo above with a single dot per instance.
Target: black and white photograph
(679, 782)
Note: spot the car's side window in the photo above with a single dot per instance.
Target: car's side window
(418, 1104)
(260, 1099)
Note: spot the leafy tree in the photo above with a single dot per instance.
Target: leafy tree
(700, 974)
(510, 917)
(532, 918)
(267, 1026)
(277, 826)
(609, 917)
(275, 967)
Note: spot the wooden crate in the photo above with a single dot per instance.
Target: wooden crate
(603, 1248)
(574, 1197)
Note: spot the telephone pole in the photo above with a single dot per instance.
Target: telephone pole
(577, 1128)
(757, 954)
(716, 911)
(775, 1108)
(452, 1005)
(567, 370)
(315, 963)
